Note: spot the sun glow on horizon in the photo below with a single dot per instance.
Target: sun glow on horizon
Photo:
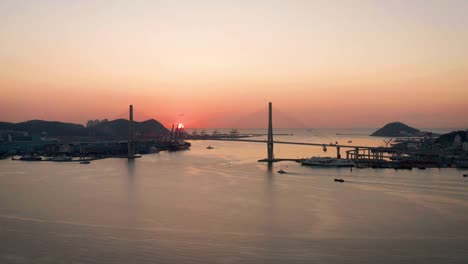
(328, 63)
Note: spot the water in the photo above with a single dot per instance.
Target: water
(221, 206)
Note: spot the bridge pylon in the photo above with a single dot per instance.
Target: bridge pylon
(131, 135)
(270, 134)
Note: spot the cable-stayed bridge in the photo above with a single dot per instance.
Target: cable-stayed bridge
(353, 152)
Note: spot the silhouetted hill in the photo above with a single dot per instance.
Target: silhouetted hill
(52, 128)
(447, 139)
(116, 128)
(120, 127)
(151, 127)
(396, 129)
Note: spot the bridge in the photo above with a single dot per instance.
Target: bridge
(353, 152)
(356, 152)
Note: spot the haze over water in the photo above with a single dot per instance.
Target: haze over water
(221, 206)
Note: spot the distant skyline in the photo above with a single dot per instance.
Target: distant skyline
(217, 63)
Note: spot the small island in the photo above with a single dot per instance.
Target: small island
(397, 129)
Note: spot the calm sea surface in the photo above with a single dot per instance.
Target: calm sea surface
(221, 206)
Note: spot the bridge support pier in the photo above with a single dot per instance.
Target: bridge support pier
(356, 153)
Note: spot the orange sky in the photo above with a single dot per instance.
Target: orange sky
(324, 63)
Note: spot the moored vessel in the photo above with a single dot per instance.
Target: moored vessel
(177, 145)
(61, 158)
(327, 162)
(30, 158)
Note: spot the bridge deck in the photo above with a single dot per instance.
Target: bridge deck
(296, 143)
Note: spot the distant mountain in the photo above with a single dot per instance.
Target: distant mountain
(448, 139)
(52, 128)
(116, 128)
(396, 129)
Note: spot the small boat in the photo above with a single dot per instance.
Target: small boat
(350, 141)
(465, 175)
(339, 180)
(210, 147)
(85, 162)
(281, 171)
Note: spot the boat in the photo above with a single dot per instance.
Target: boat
(30, 158)
(61, 158)
(210, 147)
(465, 175)
(281, 171)
(178, 145)
(339, 180)
(327, 162)
(85, 162)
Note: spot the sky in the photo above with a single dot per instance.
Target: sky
(218, 63)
